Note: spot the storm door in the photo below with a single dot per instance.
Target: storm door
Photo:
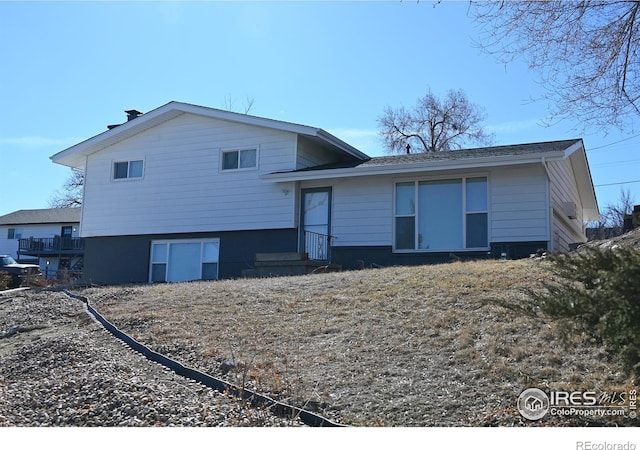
(316, 223)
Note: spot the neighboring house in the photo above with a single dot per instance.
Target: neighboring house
(188, 192)
(48, 237)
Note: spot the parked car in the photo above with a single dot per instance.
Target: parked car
(19, 273)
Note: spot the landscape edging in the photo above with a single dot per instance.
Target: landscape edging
(281, 409)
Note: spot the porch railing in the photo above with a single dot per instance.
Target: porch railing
(50, 245)
(317, 246)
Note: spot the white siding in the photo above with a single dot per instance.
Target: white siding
(10, 246)
(311, 154)
(183, 188)
(362, 208)
(563, 189)
(519, 204)
(361, 212)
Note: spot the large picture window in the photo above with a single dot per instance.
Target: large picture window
(184, 260)
(441, 215)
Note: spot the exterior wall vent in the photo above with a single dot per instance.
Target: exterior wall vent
(570, 210)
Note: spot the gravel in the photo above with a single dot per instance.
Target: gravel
(424, 346)
(58, 367)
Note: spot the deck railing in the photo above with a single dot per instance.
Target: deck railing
(317, 246)
(50, 245)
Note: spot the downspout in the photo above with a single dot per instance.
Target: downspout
(550, 246)
(84, 189)
(297, 208)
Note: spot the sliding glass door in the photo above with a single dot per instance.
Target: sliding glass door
(184, 260)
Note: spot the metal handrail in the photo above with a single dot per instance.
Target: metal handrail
(54, 244)
(317, 246)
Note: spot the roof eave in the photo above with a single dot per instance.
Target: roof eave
(586, 190)
(427, 166)
(331, 139)
(75, 156)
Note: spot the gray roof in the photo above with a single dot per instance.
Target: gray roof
(484, 152)
(40, 216)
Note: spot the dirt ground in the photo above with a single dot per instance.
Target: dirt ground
(441, 345)
(58, 367)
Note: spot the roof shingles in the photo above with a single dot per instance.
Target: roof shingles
(41, 216)
(485, 152)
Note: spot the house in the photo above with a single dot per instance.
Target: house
(188, 192)
(48, 237)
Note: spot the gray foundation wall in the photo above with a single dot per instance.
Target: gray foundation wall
(125, 259)
(383, 256)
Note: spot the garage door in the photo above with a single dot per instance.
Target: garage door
(184, 260)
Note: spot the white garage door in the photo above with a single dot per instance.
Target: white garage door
(184, 260)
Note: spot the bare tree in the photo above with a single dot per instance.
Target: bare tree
(231, 105)
(611, 222)
(71, 194)
(614, 212)
(586, 53)
(433, 124)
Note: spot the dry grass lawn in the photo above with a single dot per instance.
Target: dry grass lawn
(438, 345)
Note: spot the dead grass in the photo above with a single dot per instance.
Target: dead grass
(439, 345)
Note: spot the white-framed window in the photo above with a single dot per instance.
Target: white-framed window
(240, 159)
(184, 260)
(441, 215)
(14, 233)
(123, 170)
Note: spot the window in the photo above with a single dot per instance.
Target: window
(442, 215)
(14, 233)
(127, 169)
(184, 260)
(239, 159)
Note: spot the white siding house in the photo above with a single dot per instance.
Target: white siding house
(48, 237)
(187, 192)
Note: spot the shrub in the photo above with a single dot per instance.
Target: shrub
(598, 292)
(5, 280)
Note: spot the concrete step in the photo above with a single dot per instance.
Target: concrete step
(285, 256)
(286, 268)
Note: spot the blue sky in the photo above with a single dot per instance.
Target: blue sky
(71, 68)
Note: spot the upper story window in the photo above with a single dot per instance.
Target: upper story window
(14, 233)
(240, 159)
(127, 169)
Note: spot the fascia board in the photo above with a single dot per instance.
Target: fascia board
(577, 156)
(328, 137)
(431, 166)
(586, 189)
(244, 118)
(74, 156)
(290, 127)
